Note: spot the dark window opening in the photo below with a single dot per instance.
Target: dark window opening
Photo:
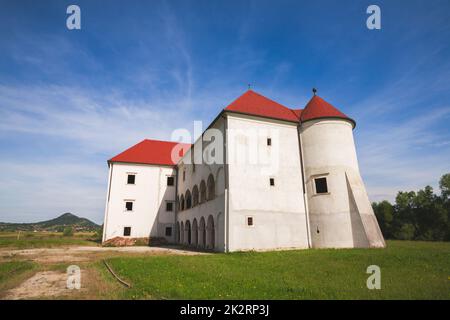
(321, 185)
(269, 141)
(272, 181)
(169, 206)
(184, 175)
(126, 231)
(129, 205)
(131, 179)
(168, 231)
(170, 181)
(249, 221)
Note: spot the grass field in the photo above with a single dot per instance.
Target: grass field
(26, 240)
(409, 270)
(12, 272)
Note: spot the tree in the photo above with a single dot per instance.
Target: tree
(444, 186)
(68, 232)
(430, 215)
(384, 211)
(405, 213)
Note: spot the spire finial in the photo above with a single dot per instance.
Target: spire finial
(314, 90)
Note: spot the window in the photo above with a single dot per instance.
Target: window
(168, 231)
(249, 221)
(272, 182)
(269, 141)
(129, 205)
(126, 231)
(170, 181)
(169, 206)
(131, 179)
(321, 185)
(184, 175)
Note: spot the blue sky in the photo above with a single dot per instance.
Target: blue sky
(70, 100)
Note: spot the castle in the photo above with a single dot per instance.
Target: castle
(262, 176)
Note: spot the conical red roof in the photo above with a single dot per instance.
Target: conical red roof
(317, 108)
(255, 104)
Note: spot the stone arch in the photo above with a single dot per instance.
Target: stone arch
(182, 233)
(187, 232)
(195, 196)
(210, 233)
(202, 233)
(195, 233)
(202, 191)
(188, 199)
(211, 188)
(220, 180)
(182, 203)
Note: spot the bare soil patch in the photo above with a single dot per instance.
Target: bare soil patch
(43, 285)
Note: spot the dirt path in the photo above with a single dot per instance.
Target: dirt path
(51, 284)
(44, 285)
(85, 253)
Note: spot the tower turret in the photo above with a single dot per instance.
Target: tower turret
(340, 213)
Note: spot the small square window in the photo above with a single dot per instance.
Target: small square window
(169, 206)
(168, 231)
(269, 141)
(170, 181)
(249, 221)
(131, 179)
(272, 182)
(126, 231)
(321, 185)
(129, 205)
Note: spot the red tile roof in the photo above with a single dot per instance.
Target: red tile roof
(150, 152)
(255, 104)
(159, 152)
(317, 108)
(298, 113)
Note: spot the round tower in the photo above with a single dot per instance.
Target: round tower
(339, 211)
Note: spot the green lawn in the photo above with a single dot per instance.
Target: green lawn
(26, 240)
(409, 270)
(12, 272)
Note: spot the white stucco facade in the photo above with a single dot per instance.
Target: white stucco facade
(280, 184)
(149, 194)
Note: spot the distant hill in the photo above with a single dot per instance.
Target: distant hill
(58, 224)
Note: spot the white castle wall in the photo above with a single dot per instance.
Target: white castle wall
(215, 207)
(335, 219)
(278, 211)
(150, 193)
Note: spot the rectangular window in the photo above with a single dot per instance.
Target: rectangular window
(321, 185)
(272, 182)
(126, 231)
(184, 175)
(129, 205)
(249, 221)
(170, 181)
(168, 231)
(169, 206)
(269, 141)
(131, 179)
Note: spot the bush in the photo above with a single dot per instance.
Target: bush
(68, 232)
